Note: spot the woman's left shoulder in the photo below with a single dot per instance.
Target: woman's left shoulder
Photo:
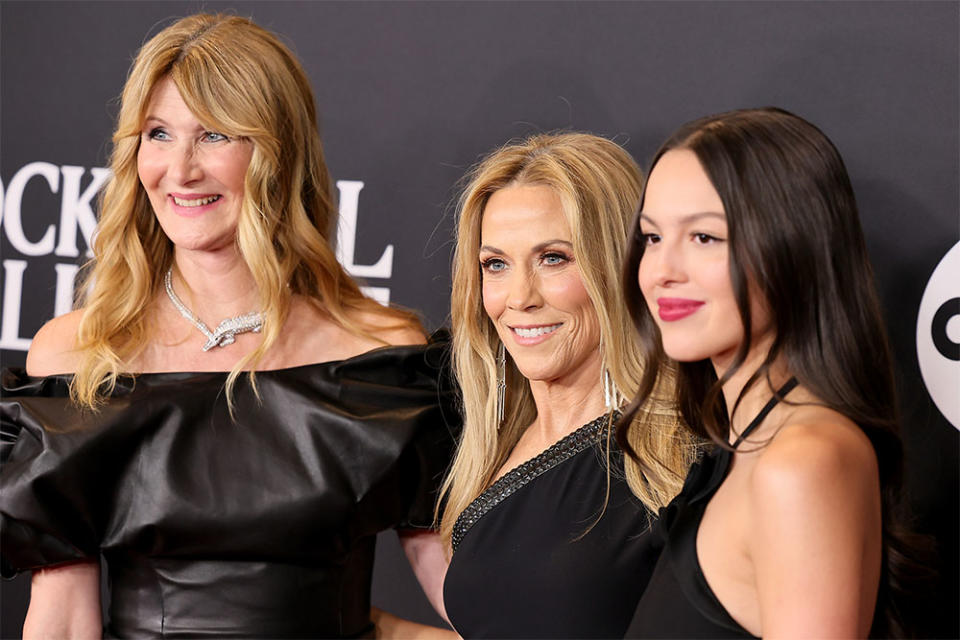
(391, 331)
(318, 337)
(816, 450)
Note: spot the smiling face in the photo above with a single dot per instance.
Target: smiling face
(684, 273)
(194, 177)
(532, 288)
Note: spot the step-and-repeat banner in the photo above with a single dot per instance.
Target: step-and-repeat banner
(412, 93)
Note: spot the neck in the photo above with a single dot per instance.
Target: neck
(566, 404)
(214, 285)
(757, 395)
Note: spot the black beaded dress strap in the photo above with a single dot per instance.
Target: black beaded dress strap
(559, 547)
(779, 395)
(564, 449)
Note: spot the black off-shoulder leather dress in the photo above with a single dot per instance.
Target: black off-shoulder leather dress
(262, 526)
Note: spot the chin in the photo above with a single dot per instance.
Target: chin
(686, 352)
(536, 373)
(529, 373)
(211, 243)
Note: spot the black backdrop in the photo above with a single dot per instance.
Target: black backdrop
(412, 93)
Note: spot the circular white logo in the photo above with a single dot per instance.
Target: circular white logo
(938, 336)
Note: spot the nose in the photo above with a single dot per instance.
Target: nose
(524, 291)
(184, 167)
(661, 265)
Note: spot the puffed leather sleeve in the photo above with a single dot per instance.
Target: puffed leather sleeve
(43, 520)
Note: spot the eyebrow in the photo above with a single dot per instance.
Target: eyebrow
(157, 120)
(690, 217)
(539, 247)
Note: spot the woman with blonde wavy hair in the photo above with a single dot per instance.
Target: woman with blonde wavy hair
(226, 418)
(547, 538)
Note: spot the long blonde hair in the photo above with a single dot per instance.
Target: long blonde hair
(239, 79)
(599, 186)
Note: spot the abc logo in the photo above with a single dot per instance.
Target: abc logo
(938, 336)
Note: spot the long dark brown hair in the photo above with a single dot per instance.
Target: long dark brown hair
(795, 239)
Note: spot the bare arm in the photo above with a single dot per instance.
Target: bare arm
(816, 546)
(65, 603)
(390, 626)
(428, 559)
(426, 554)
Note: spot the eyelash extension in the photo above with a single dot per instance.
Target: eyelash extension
(706, 237)
(487, 265)
(556, 254)
(156, 131)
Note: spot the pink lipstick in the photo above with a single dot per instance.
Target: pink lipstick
(672, 309)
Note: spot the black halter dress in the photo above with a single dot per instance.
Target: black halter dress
(678, 602)
(260, 526)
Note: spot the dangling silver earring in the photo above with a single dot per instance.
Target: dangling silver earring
(611, 396)
(501, 382)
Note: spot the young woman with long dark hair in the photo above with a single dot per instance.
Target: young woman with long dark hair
(748, 280)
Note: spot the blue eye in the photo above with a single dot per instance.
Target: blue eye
(213, 136)
(157, 133)
(493, 265)
(554, 258)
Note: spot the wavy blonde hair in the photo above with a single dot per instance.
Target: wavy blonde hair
(238, 79)
(599, 186)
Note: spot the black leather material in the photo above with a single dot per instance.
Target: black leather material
(262, 526)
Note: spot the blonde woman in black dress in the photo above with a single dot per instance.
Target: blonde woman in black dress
(548, 540)
(233, 474)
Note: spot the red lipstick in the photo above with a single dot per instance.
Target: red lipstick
(672, 309)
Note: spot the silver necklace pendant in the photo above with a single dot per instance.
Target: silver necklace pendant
(226, 332)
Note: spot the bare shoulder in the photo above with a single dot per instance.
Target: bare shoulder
(391, 330)
(312, 336)
(817, 452)
(53, 348)
(815, 527)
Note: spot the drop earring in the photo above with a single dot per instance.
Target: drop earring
(501, 382)
(611, 396)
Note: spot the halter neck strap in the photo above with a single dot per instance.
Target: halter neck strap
(779, 395)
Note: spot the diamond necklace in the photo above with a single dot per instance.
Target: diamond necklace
(226, 331)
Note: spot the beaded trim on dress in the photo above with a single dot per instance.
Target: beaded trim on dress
(563, 449)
